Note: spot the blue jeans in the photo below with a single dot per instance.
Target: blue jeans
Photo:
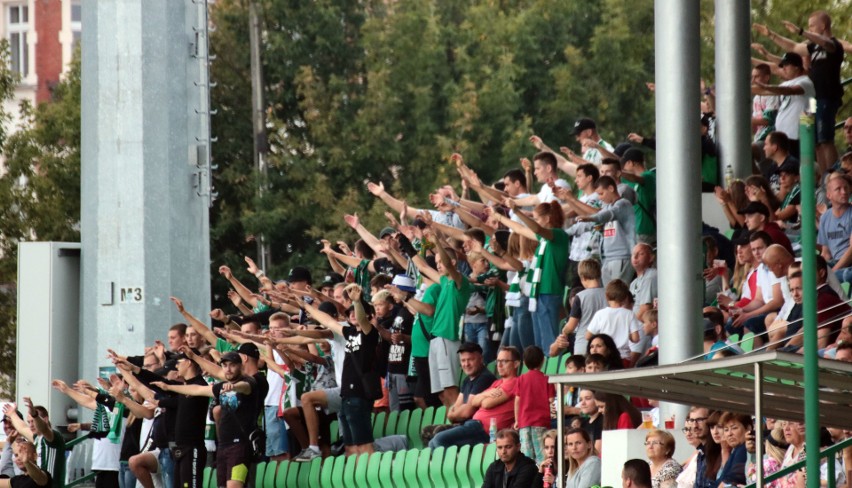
(545, 321)
(826, 114)
(354, 419)
(167, 466)
(277, 442)
(126, 478)
(755, 324)
(478, 333)
(522, 326)
(469, 433)
(844, 275)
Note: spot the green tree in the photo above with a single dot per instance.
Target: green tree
(40, 190)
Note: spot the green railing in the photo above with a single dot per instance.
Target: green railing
(827, 452)
(69, 446)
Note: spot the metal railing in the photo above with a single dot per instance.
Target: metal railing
(829, 452)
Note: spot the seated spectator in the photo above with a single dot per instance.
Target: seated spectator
(835, 226)
(660, 447)
(650, 327)
(604, 346)
(757, 216)
(477, 379)
(712, 274)
(592, 418)
(595, 363)
(512, 468)
(776, 148)
(532, 414)
(618, 412)
(496, 402)
(769, 297)
(584, 465)
(735, 427)
(788, 216)
(743, 281)
(616, 321)
(636, 474)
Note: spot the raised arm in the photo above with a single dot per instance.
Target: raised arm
(240, 288)
(565, 165)
(81, 398)
(371, 240)
(40, 425)
(323, 318)
(824, 42)
(135, 407)
(354, 292)
(205, 364)
(425, 269)
(446, 260)
(529, 229)
(11, 412)
(196, 324)
(506, 262)
(191, 390)
(788, 45)
(378, 189)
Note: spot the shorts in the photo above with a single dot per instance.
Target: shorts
(423, 387)
(355, 421)
(189, 466)
(443, 363)
(332, 398)
(826, 113)
(277, 441)
(232, 463)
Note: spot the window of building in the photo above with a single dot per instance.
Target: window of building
(76, 21)
(17, 25)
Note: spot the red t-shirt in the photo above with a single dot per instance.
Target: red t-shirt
(505, 412)
(534, 393)
(624, 422)
(751, 283)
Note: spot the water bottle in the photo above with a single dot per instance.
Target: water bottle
(729, 176)
(492, 431)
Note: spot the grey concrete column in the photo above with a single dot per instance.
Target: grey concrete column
(145, 168)
(676, 46)
(733, 85)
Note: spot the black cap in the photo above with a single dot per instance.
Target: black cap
(387, 231)
(329, 308)
(583, 124)
(791, 58)
(249, 349)
(231, 357)
(753, 208)
(332, 279)
(470, 347)
(180, 356)
(299, 273)
(633, 154)
(621, 149)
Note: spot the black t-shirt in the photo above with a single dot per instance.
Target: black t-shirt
(130, 441)
(387, 267)
(399, 355)
(359, 376)
(163, 429)
(594, 428)
(262, 389)
(473, 386)
(24, 481)
(190, 415)
(239, 413)
(772, 171)
(825, 70)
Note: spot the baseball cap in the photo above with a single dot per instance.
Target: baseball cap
(583, 124)
(753, 208)
(791, 58)
(180, 356)
(249, 349)
(299, 273)
(404, 283)
(231, 357)
(328, 308)
(621, 149)
(633, 154)
(387, 231)
(332, 279)
(789, 167)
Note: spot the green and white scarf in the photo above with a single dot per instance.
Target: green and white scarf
(513, 296)
(536, 268)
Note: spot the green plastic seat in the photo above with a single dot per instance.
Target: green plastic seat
(398, 469)
(384, 474)
(423, 467)
(475, 464)
(334, 431)
(326, 471)
(428, 416)
(349, 471)
(734, 338)
(379, 425)
(462, 460)
(748, 342)
(393, 418)
(435, 475)
(551, 364)
(371, 471)
(267, 477)
(401, 427)
(562, 365)
(845, 287)
(449, 465)
(440, 415)
(410, 470)
(337, 472)
(488, 457)
(312, 473)
(415, 421)
(362, 463)
(492, 366)
(277, 477)
(259, 470)
(292, 479)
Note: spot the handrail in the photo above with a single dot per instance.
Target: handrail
(73, 442)
(80, 481)
(829, 451)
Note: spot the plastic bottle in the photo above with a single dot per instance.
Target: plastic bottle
(492, 430)
(547, 472)
(729, 176)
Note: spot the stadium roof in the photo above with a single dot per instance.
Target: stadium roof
(729, 384)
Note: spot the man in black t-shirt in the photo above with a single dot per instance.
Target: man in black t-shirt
(188, 452)
(237, 397)
(26, 460)
(394, 325)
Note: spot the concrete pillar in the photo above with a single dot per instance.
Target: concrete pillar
(145, 170)
(678, 182)
(733, 85)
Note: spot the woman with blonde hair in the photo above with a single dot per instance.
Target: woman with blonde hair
(660, 447)
(584, 466)
(548, 440)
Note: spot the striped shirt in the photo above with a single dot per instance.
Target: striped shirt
(51, 456)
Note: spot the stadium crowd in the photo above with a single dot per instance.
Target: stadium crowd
(410, 316)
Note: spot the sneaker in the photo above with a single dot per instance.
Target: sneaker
(306, 455)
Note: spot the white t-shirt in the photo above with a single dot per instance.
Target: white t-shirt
(276, 383)
(513, 215)
(765, 280)
(338, 353)
(545, 195)
(105, 453)
(593, 154)
(617, 323)
(792, 106)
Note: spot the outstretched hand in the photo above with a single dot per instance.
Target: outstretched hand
(760, 29)
(352, 220)
(178, 303)
(793, 28)
(226, 272)
(376, 188)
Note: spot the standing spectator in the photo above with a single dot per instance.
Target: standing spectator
(612, 167)
(584, 306)
(475, 320)
(794, 94)
(826, 57)
(616, 321)
(586, 133)
(394, 325)
(532, 415)
(49, 443)
(513, 468)
(546, 174)
(636, 474)
(644, 183)
(764, 108)
(586, 237)
(32, 475)
(644, 287)
(584, 465)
